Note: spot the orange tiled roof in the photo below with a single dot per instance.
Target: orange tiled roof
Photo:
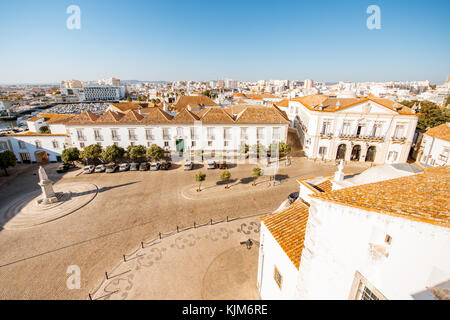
(131, 116)
(254, 114)
(86, 117)
(441, 132)
(421, 197)
(110, 117)
(288, 227)
(51, 117)
(330, 104)
(324, 186)
(34, 134)
(183, 101)
(185, 116)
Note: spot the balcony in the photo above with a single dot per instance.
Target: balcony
(82, 138)
(244, 136)
(398, 139)
(132, 137)
(194, 137)
(166, 137)
(227, 137)
(115, 138)
(259, 137)
(150, 137)
(346, 136)
(211, 137)
(326, 135)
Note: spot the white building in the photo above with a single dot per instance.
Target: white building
(215, 130)
(381, 240)
(354, 129)
(32, 146)
(102, 93)
(435, 146)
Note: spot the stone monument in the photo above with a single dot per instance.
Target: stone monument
(48, 195)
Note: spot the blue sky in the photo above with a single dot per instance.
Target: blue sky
(211, 39)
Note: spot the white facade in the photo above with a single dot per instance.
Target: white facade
(435, 151)
(354, 253)
(102, 93)
(357, 128)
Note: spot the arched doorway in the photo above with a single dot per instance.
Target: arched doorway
(370, 155)
(341, 152)
(356, 153)
(41, 156)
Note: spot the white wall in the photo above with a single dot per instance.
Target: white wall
(434, 151)
(272, 254)
(338, 243)
(29, 145)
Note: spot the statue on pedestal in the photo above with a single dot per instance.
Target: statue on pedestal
(48, 195)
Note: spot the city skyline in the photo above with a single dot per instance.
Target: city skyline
(159, 41)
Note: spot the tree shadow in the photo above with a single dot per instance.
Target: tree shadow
(224, 183)
(247, 180)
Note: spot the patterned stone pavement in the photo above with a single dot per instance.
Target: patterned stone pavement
(207, 262)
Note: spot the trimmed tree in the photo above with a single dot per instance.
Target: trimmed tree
(155, 152)
(70, 155)
(91, 152)
(256, 172)
(200, 177)
(7, 159)
(225, 176)
(113, 153)
(136, 152)
(44, 130)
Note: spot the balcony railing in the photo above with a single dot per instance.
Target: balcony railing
(398, 139)
(98, 138)
(227, 137)
(360, 137)
(260, 137)
(326, 134)
(82, 138)
(132, 137)
(149, 137)
(166, 137)
(211, 137)
(244, 136)
(194, 137)
(115, 138)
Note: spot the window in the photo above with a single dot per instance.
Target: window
(346, 128)
(38, 144)
(149, 134)
(131, 143)
(227, 133)
(114, 134)
(166, 135)
(360, 129)
(210, 132)
(80, 134)
(365, 293)
(276, 134)
(388, 239)
(392, 155)
(99, 144)
(278, 277)
(166, 143)
(399, 131)
(116, 143)
(131, 134)
(376, 130)
(244, 135)
(3, 145)
(210, 143)
(226, 143)
(21, 145)
(193, 134)
(260, 133)
(97, 135)
(192, 143)
(55, 144)
(322, 151)
(326, 126)
(81, 145)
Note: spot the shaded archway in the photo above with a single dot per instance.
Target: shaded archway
(342, 149)
(356, 153)
(370, 155)
(41, 156)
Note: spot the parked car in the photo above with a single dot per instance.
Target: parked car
(134, 166)
(165, 165)
(211, 164)
(188, 165)
(100, 168)
(143, 166)
(155, 166)
(111, 168)
(293, 197)
(223, 164)
(64, 167)
(124, 167)
(88, 169)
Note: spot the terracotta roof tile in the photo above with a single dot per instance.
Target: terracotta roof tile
(421, 197)
(185, 116)
(441, 132)
(288, 228)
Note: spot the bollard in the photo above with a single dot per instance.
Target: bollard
(90, 297)
(227, 218)
(178, 230)
(211, 222)
(160, 236)
(106, 274)
(142, 244)
(124, 259)
(194, 224)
